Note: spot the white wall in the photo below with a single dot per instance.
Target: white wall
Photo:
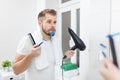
(40, 5)
(52, 4)
(17, 17)
(115, 16)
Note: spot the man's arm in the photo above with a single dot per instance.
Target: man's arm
(22, 62)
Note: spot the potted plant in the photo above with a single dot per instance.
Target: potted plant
(6, 65)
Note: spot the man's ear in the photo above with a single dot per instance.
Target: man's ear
(40, 23)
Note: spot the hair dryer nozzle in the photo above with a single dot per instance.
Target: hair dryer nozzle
(78, 42)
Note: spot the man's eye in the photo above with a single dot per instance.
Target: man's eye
(55, 22)
(49, 21)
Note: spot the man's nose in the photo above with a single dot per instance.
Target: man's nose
(53, 25)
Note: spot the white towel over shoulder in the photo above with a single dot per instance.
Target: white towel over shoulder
(41, 61)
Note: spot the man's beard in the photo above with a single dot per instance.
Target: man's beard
(49, 33)
(45, 32)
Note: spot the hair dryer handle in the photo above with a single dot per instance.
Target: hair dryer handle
(73, 48)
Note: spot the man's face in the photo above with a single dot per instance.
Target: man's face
(48, 24)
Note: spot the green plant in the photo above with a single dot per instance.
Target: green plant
(6, 63)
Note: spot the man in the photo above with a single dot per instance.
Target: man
(39, 61)
(109, 71)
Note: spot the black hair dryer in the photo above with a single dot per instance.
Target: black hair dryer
(79, 44)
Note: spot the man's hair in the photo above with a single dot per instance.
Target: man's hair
(42, 14)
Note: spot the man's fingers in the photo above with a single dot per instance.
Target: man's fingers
(36, 45)
(104, 71)
(71, 53)
(109, 64)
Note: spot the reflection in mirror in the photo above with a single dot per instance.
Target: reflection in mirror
(66, 22)
(78, 33)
